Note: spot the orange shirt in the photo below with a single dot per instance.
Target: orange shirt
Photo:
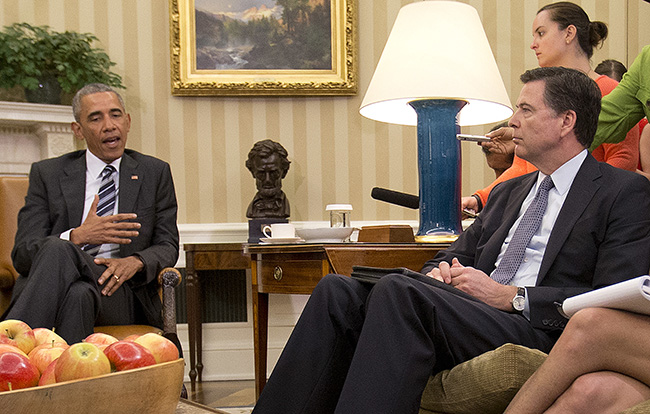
(624, 154)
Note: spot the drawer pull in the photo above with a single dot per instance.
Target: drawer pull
(277, 273)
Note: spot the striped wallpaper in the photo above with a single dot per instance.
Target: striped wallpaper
(337, 156)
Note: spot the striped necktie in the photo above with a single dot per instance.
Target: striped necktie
(106, 203)
(525, 230)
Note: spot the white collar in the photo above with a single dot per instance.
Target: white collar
(95, 166)
(563, 177)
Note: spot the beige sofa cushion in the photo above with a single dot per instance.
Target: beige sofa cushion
(484, 384)
(643, 408)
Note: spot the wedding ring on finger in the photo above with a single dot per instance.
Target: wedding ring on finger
(117, 279)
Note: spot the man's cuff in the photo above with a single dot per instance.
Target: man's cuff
(66, 235)
(479, 203)
(526, 311)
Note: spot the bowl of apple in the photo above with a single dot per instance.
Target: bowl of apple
(40, 373)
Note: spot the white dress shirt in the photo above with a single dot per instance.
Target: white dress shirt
(94, 168)
(562, 180)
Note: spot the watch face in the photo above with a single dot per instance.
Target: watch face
(518, 303)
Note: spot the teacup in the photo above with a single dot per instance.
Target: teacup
(280, 231)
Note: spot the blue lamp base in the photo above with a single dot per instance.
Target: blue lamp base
(439, 165)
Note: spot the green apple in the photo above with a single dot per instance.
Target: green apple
(18, 334)
(81, 360)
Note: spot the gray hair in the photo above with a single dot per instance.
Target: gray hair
(90, 89)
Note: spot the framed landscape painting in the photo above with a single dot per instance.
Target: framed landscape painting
(263, 47)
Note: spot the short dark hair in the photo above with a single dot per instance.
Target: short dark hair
(264, 149)
(590, 34)
(90, 89)
(570, 90)
(612, 68)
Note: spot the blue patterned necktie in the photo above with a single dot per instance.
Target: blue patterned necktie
(525, 230)
(106, 203)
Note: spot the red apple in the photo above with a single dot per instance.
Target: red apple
(18, 334)
(162, 348)
(44, 335)
(81, 360)
(44, 354)
(125, 355)
(10, 348)
(17, 372)
(47, 377)
(100, 339)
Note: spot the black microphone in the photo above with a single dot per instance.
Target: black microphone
(395, 197)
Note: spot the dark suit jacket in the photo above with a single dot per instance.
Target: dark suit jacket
(601, 236)
(55, 202)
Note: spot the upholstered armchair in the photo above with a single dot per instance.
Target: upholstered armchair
(487, 383)
(12, 198)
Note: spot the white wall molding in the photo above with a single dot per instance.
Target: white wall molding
(31, 132)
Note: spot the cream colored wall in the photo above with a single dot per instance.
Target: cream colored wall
(337, 156)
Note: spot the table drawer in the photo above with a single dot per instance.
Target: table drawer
(291, 276)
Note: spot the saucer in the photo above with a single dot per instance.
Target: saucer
(280, 240)
(325, 234)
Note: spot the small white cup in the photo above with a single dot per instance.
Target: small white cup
(280, 231)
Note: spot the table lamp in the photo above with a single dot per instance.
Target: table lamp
(437, 71)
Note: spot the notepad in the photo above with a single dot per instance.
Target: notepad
(631, 295)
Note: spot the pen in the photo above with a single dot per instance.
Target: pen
(476, 138)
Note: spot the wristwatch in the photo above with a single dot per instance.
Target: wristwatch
(519, 301)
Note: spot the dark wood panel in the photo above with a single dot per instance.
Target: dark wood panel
(291, 275)
(223, 260)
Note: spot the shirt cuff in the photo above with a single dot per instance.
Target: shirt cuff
(66, 235)
(479, 203)
(526, 311)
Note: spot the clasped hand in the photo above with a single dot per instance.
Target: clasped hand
(117, 272)
(476, 283)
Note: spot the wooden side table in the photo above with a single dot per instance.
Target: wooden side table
(297, 268)
(205, 256)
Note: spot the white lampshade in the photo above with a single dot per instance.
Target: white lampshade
(437, 50)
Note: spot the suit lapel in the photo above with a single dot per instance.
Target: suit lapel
(583, 189)
(131, 177)
(73, 188)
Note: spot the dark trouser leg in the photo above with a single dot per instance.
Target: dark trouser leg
(312, 368)
(56, 267)
(412, 330)
(75, 317)
(62, 292)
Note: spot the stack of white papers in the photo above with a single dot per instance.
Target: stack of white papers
(632, 295)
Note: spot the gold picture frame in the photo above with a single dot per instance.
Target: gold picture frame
(340, 78)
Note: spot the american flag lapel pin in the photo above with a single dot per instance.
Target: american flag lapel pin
(134, 177)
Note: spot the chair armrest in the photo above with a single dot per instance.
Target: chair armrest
(169, 278)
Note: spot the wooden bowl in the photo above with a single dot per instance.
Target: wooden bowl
(155, 389)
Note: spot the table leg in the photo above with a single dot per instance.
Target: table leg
(191, 291)
(260, 338)
(198, 329)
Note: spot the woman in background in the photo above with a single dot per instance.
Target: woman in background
(564, 36)
(615, 70)
(612, 68)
